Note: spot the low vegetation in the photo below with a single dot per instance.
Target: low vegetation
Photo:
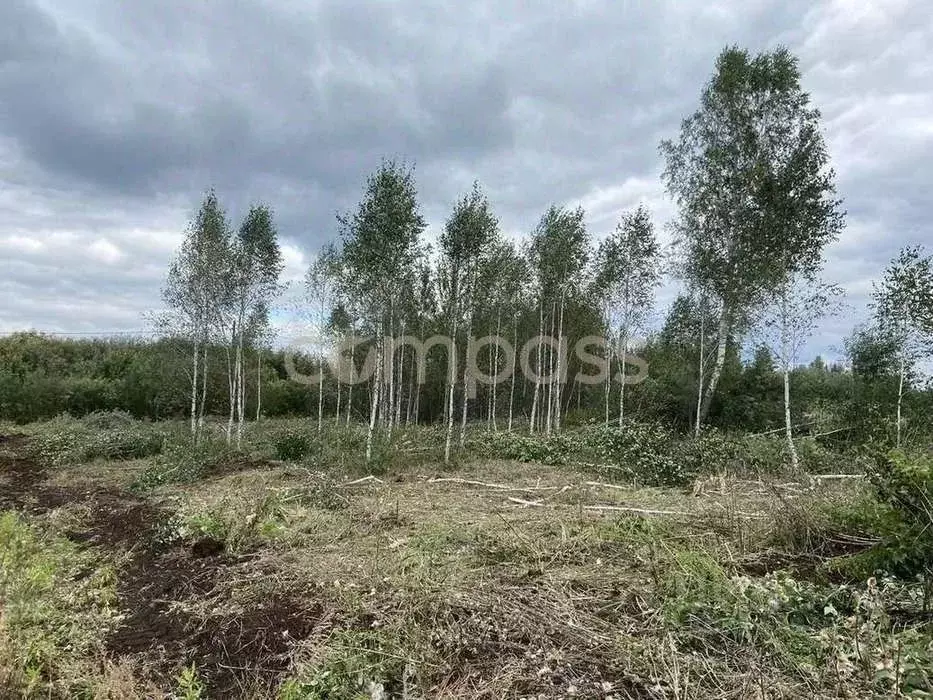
(561, 567)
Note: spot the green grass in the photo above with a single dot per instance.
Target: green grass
(56, 604)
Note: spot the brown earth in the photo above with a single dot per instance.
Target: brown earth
(157, 577)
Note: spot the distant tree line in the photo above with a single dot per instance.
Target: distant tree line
(756, 201)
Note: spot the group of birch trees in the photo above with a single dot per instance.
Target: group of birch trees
(218, 293)
(386, 284)
(756, 207)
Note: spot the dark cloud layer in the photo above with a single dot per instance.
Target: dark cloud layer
(115, 117)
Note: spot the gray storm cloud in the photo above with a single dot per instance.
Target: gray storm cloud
(115, 117)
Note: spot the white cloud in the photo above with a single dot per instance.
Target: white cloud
(105, 251)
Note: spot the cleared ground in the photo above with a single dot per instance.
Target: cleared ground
(496, 579)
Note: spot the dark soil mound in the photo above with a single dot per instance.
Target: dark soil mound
(227, 648)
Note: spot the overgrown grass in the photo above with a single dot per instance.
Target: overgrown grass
(66, 440)
(501, 582)
(56, 604)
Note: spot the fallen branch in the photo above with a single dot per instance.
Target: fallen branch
(523, 502)
(497, 487)
(640, 511)
(600, 484)
(363, 480)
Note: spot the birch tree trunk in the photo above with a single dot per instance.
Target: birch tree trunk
(900, 397)
(452, 361)
(320, 394)
(701, 372)
(466, 368)
(791, 448)
(352, 377)
(231, 389)
(624, 347)
(374, 407)
(258, 385)
(401, 378)
(390, 376)
(560, 362)
(339, 392)
(786, 359)
(241, 405)
(194, 391)
(204, 354)
(495, 371)
(720, 361)
(550, 379)
(534, 399)
(514, 359)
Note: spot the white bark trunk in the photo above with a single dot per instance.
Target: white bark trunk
(352, 376)
(374, 407)
(550, 369)
(258, 385)
(452, 361)
(194, 391)
(900, 398)
(320, 395)
(204, 354)
(534, 399)
(720, 361)
(791, 448)
(466, 394)
(701, 372)
(514, 358)
(560, 361)
(495, 371)
(624, 343)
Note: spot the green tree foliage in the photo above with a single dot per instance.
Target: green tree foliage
(750, 175)
(626, 273)
(903, 302)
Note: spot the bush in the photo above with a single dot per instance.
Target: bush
(294, 445)
(66, 440)
(554, 449)
(108, 420)
(185, 463)
(905, 483)
(641, 451)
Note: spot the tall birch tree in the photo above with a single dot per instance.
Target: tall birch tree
(750, 176)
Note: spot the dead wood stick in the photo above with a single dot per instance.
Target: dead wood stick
(364, 480)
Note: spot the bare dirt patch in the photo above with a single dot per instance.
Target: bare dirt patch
(160, 582)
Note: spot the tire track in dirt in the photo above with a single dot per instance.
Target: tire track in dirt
(233, 652)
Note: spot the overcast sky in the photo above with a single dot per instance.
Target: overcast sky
(116, 116)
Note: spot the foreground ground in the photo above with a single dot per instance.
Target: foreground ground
(269, 578)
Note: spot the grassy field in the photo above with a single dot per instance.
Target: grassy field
(133, 566)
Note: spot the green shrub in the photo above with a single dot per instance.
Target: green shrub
(185, 462)
(294, 446)
(643, 452)
(905, 483)
(66, 440)
(108, 420)
(554, 449)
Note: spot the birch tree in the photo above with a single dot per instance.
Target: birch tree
(468, 236)
(787, 324)
(557, 257)
(903, 304)
(627, 274)
(255, 267)
(195, 281)
(381, 245)
(749, 173)
(322, 282)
